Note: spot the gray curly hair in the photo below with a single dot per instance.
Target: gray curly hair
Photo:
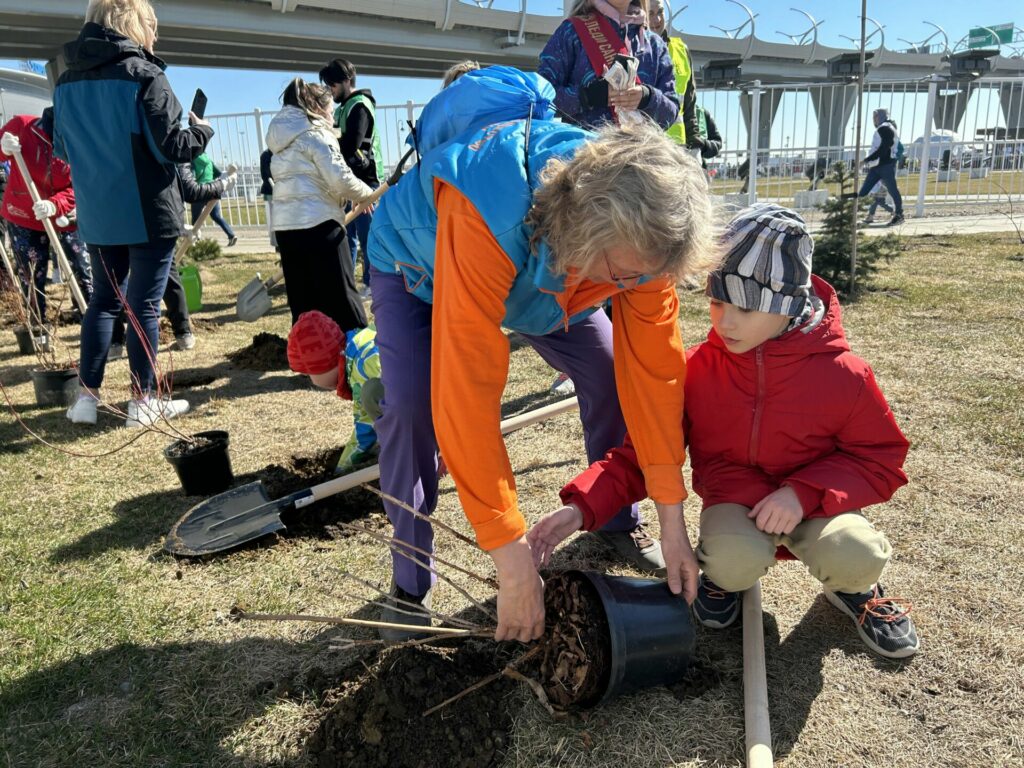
(631, 187)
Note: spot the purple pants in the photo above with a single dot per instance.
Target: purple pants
(405, 429)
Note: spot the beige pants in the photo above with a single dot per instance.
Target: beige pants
(845, 553)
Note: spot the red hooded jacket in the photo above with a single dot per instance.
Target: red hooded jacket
(799, 410)
(51, 175)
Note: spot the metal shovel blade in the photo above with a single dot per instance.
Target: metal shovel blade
(226, 520)
(253, 301)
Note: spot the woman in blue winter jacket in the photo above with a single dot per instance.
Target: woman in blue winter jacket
(582, 95)
(118, 125)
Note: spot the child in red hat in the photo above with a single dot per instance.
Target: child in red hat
(349, 365)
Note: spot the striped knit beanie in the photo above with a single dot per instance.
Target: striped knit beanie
(767, 265)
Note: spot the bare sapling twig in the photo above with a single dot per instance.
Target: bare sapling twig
(439, 616)
(1018, 228)
(408, 603)
(391, 542)
(241, 615)
(536, 687)
(415, 513)
(510, 667)
(457, 587)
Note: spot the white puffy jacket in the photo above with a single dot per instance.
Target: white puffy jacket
(311, 180)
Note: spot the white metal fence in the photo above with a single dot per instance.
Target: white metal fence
(963, 141)
(239, 139)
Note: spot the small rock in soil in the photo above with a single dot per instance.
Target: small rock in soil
(268, 352)
(377, 719)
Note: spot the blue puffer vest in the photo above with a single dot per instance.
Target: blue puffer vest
(487, 162)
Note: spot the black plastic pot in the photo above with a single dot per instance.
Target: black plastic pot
(206, 470)
(29, 342)
(55, 387)
(652, 637)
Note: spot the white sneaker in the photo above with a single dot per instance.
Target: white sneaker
(364, 293)
(184, 342)
(563, 385)
(116, 352)
(83, 411)
(145, 413)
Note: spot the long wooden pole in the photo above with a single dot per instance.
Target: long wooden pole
(51, 232)
(755, 683)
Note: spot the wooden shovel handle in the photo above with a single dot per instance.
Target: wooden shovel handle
(369, 474)
(755, 683)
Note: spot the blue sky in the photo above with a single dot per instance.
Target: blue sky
(241, 91)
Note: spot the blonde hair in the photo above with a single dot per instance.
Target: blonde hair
(311, 98)
(455, 71)
(628, 187)
(135, 19)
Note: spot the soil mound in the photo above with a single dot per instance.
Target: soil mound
(321, 518)
(268, 352)
(377, 719)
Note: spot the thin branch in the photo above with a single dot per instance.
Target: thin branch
(409, 603)
(413, 628)
(510, 667)
(415, 513)
(535, 686)
(392, 542)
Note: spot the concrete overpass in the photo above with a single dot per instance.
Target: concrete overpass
(414, 38)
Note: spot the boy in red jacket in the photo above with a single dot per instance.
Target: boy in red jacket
(789, 435)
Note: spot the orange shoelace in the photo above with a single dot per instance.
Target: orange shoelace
(899, 607)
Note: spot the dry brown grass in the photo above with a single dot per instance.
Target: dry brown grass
(116, 655)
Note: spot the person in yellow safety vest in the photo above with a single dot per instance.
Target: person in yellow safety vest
(685, 130)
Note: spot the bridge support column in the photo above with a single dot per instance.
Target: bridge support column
(1011, 99)
(55, 67)
(833, 106)
(950, 106)
(768, 107)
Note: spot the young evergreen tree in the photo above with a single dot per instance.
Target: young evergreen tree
(832, 243)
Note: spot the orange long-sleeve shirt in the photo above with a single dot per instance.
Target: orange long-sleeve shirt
(469, 368)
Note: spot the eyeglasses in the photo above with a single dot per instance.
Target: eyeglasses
(628, 280)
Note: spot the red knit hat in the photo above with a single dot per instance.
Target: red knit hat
(315, 344)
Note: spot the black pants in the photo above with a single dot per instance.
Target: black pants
(174, 301)
(318, 274)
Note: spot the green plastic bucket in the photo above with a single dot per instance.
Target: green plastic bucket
(193, 286)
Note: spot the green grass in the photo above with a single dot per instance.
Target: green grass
(114, 654)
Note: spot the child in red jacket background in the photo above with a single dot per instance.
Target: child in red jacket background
(789, 436)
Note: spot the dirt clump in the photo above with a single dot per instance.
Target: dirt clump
(377, 718)
(575, 665)
(268, 352)
(321, 518)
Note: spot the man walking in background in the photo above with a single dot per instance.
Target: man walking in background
(355, 118)
(881, 162)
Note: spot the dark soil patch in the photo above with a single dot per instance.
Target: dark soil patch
(576, 662)
(268, 352)
(377, 719)
(205, 326)
(323, 517)
(700, 678)
(191, 379)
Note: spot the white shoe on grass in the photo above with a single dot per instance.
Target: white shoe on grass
(145, 413)
(83, 411)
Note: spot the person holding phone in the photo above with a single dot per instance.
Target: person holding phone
(576, 55)
(127, 192)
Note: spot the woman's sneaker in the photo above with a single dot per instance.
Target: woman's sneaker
(563, 385)
(83, 411)
(146, 413)
(714, 607)
(883, 623)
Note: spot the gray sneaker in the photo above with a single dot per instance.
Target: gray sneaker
(637, 547)
(404, 608)
(184, 341)
(714, 607)
(883, 623)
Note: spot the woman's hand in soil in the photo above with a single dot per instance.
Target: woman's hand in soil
(681, 565)
(520, 593)
(551, 530)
